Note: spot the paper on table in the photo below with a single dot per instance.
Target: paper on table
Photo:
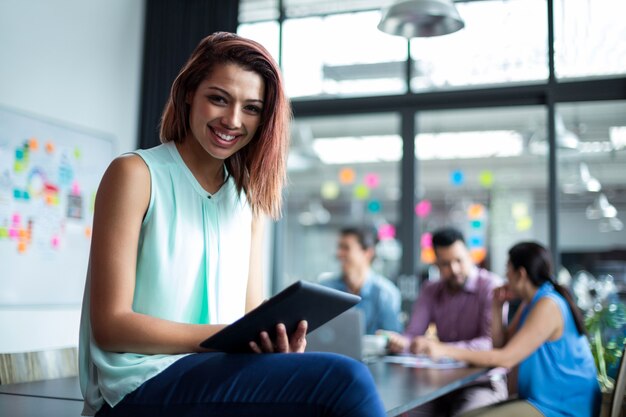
(423, 361)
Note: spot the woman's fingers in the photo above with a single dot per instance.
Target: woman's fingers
(282, 340)
(298, 338)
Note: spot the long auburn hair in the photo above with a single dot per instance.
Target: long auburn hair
(259, 168)
(535, 259)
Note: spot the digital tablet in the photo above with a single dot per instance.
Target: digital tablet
(300, 301)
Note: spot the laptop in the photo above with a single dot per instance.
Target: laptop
(343, 334)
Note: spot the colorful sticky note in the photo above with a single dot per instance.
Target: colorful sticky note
(374, 206)
(329, 190)
(478, 254)
(519, 210)
(50, 147)
(475, 211)
(372, 180)
(457, 177)
(523, 223)
(347, 176)
(77, 153)
(75, 188)
(428, 256)
(485, 178)
(33, 144)
(426, 241)
(386, 231)
(423, 208)
(21, 247)
(476, 224)
(55, 242)
(361, 192)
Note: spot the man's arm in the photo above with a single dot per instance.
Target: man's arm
(421, 314)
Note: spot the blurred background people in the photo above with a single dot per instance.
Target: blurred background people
(557, 374)
(459, 305)
(381, 300)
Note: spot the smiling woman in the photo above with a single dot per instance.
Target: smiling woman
(176, 256)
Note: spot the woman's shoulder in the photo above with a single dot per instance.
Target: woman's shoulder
(129, 166)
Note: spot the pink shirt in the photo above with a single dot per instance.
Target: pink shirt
(463, 318)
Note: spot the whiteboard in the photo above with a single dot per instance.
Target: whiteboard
(49, 174)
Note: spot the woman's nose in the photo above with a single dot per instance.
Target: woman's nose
(231, 118)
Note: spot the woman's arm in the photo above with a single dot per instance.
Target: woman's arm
(121, 203)
(254, 291)
(544, 323)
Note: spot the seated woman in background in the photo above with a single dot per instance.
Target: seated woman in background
(547, 338)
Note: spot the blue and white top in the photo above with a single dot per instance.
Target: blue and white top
(192, 267)
(560, 378)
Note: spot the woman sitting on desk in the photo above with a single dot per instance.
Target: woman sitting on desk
(176, 255)
(557, 374)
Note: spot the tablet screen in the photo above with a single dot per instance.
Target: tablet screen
(300, 301)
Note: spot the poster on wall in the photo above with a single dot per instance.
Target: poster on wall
(49, 174)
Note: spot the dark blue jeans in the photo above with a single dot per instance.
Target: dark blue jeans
(224, 385)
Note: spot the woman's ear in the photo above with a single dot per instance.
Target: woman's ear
(522, 272)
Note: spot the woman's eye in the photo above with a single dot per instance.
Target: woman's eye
(254, 109)
(217, 99)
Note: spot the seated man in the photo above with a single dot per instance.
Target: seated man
(459, 305)
(380, 301)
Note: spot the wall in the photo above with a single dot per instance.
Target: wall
(78, 62)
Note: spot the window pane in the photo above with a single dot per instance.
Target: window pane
(323, 197)
(342, 55)
(257, 10)
(592, 209)
(304, 8)
(589, 38)
(266, 33)
(502, 42)
(469, 177)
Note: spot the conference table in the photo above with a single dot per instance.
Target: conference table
(401, 388)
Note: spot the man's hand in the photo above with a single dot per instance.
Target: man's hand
(421, 344)
(396, 343)
(282, 344)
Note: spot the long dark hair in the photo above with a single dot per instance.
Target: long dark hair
(535, 259)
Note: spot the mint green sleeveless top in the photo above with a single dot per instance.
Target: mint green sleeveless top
(192, 267)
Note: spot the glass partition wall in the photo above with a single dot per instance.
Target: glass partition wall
(490, 129)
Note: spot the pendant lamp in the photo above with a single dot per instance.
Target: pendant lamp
(421, 18)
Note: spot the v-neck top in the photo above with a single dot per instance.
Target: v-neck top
(192, 267)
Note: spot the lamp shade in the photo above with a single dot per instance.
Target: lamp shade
(421, 18)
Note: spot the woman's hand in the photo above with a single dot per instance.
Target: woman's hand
(282, 344)
(502, 294)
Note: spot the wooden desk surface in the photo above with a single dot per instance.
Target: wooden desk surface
(401, 389)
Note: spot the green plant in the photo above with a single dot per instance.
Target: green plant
(606, 348)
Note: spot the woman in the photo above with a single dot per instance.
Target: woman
(176, 254)
(557, 374)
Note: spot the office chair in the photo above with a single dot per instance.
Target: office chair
(617, 398)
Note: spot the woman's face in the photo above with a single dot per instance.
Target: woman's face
(513, 276)
(225, 110)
